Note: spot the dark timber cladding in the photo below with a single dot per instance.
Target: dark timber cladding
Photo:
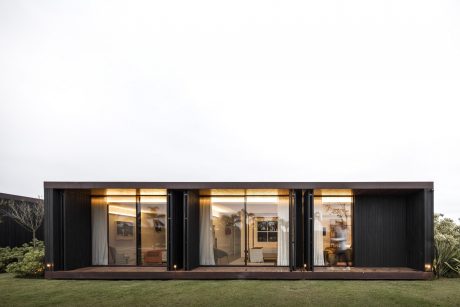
(175, 230)
(392, 227)
(68, 228)
(11, 233)
(380, 231)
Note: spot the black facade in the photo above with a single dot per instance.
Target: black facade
(11, 233)
(392, 222)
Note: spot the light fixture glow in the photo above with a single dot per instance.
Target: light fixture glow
(337, 200)
(118, 210)
(249, 199)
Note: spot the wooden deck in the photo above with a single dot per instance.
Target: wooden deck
(258, 273)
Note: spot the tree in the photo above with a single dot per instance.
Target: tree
(26, 213)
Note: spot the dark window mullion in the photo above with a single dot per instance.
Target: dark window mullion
(138, 229)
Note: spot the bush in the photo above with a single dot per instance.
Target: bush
(24, 261)
(9, 255)
(447, 247)
(30, 266)
(456, 265)
(444, 260)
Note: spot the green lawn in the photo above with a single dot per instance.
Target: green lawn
(23, 292)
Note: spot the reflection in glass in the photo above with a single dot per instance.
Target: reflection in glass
(268, 230)
(333, 228)
(222, 232)
(122, 230)
(237, 230)
(153, 230)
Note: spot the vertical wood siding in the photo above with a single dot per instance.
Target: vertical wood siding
(380, 231)
(77, 229)
(54, 228)
(12, 234)
(175, 229)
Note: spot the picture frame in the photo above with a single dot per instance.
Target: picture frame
(125, 230)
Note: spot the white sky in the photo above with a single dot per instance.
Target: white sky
(230, 91)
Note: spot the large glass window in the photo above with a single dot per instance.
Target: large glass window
(122, 230)
(333, 227)
(244, 227)
(153, 230)
(129, 227)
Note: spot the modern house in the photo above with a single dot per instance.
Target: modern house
(11, 233)
(224, 230)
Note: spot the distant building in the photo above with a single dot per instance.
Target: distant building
(11, 233)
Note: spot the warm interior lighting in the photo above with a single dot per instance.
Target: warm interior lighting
(337, 200)
(249, 199)
(127, 211)
(154, 199)
(428, 267)
(152, 192)
(120, 192)
(263, 199)
(218, 210)
(123, 199)
(335, 192)
(122, 211)
(227, 200)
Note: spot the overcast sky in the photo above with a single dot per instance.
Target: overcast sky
(230, 91)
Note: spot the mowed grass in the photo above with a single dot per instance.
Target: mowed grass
(41, 292)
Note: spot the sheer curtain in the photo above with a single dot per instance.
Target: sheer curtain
(318, 240)
(283, 231)
(206, 238)
(99, 231)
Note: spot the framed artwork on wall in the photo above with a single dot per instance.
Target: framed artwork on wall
(125, 230)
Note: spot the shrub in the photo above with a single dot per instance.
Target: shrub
(444, 260)
(24, 261)
(9, 255)
(456, 265)
(31, 265)
(447, 247)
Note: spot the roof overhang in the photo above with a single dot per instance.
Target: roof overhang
(395, 185)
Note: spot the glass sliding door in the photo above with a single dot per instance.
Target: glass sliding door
(122, 227)
(332, 213)
(244, 227)
(268, 230)
(129, 227)
(222, 230)
(153, 230)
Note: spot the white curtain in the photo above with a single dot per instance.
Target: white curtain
(318, 240)
(283, 231)
(206, 237)
(99, 231)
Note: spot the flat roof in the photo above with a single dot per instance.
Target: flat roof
(17, 197)
(237, 185)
